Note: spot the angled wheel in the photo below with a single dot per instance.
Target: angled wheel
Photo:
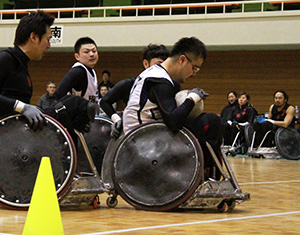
(21, 153)
(97, 140)
(288, 143)
(155, 169)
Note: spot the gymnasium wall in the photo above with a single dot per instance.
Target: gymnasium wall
(258, 72)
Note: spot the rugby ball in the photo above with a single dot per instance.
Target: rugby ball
(198, 108)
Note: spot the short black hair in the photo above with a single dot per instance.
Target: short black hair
(106, 71)
(82, 41)
(245, 94)
(190, 45)
(155, 51)
(286, 97)
(33, 22)
(49, 83)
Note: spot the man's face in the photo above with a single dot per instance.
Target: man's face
(88, 55)
(105, 77)
(189, 67)
(103, 90)
(41, 45)
(51, 89)
(279, 99)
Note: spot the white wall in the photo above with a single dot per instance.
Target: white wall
(231, 31)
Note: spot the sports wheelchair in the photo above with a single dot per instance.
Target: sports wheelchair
(242, 140)
(151, 168)
(285, 143)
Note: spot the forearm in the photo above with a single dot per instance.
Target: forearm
(6, 104)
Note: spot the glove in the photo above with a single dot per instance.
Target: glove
(244, 123)
(87, 128)
(197, 94)
(91, 110)
(260, 119)
(34, 116)
(229, 122)
(116, 129)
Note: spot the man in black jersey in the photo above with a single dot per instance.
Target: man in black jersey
(281, 114)
(153, 97)
(81, 79)
(153, 54)
(31, 42)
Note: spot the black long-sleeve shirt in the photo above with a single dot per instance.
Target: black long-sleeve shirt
(15, 81)
(119, 92)
(75, 78)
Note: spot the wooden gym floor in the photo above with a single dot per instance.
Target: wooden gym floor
(274, 208)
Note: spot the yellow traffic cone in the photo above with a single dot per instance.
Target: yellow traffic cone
(43, 217)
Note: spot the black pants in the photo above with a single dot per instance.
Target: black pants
(207, 127)
(72, 114)
(261, 129)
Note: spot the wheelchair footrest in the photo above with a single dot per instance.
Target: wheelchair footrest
(83, 191)
(211, 193)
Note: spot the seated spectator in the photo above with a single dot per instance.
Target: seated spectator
(281, 114)
(103, 91)
(105, 81)
(242, 115)
(232, 100)
(227, 111)
(48, 99)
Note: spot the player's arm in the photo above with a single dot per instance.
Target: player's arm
(72, 79)
(290, 113)
(6, 66)
(117, 93)
(172, 115)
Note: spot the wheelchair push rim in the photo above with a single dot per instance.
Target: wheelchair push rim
(21, 153)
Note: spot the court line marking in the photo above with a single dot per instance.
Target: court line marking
(271, 182)
(193, 223)
(202, 222)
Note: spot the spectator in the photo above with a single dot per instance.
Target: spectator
(48, 99)
(242, 115)
(105, 81)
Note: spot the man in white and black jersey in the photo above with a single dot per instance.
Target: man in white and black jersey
(152, 54)
(152, 97)
(81, 79)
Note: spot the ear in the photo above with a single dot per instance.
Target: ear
(76, 55)
(146, 64)
(181, 59)
(34, 38)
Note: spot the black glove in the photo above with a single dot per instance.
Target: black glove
(91, 110)
(116, 129)
(87, 128)
(34, 116)
(200, 92)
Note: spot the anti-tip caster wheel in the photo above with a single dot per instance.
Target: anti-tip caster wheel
(231, 205)
(223, 207)
(112, 201)
(96, 202)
